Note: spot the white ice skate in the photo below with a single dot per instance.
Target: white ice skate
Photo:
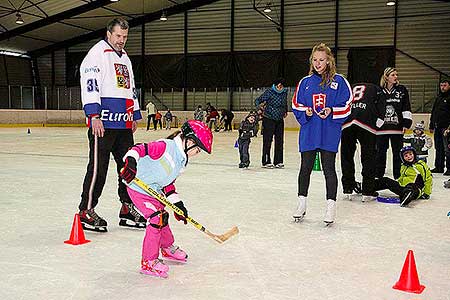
(300, 212)
(330, 213)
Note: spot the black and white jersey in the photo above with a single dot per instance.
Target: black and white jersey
(398, 110)
(367, 108)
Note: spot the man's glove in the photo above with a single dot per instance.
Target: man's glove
(180, 205)
(129, 171)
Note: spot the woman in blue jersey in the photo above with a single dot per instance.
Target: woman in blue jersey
(321, 103)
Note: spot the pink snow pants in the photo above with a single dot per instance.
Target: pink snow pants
(154, 238)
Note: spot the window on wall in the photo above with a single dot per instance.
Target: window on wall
(73, 62)
(209, 70)
(164, 71)
(19, 70)
(366, 64)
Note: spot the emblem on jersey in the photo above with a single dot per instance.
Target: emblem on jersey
(390, 115)
(122, 76)
(319, 102)
(334, 85)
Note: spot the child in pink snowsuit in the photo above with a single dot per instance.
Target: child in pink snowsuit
(158, 164)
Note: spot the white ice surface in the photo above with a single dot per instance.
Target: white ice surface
(359, 257)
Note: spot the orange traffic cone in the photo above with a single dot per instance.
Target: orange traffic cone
(409, 280)
(77, 234)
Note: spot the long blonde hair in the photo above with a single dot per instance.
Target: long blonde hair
(330, 71)
(386, 73)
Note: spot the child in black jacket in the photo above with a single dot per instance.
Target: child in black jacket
(247, 130)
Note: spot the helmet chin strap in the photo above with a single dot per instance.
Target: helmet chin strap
(186, 150)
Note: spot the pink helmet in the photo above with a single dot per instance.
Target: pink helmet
(199, 132)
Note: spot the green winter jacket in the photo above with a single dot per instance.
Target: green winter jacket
(408, 174)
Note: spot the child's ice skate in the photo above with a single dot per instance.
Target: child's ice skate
(130, 217)
(300, 212)
(406, 198)
(330, 213)
(174, 253)
(154, 268)
(91, 221)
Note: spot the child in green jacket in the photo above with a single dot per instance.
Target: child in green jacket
(415, 181)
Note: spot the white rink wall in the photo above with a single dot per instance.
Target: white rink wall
(12, 118)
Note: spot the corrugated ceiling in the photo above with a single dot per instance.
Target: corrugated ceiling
(95, 19)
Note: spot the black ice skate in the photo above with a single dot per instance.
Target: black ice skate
(130, 217)
(91, 221)
(367, 197)
(347, 195)
(447, 184)
(406, 198)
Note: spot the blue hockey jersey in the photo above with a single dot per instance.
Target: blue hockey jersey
(317, 133)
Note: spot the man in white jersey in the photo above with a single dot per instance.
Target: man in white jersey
(109, 100)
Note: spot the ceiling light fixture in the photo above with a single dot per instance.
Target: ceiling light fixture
(163, 16)
(19, 19)
(11, 53)
(390, 3)
(114, 0)
(267, 9)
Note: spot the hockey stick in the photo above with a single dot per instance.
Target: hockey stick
(218, 238)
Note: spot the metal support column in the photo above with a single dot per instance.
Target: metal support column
(185, 81)
(232, 62)
(336, 32)
(395, 30)
(281, 29)
(143, 68)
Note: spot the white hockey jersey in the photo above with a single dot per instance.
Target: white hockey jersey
(107, 87)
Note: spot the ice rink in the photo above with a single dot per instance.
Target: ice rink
(359, 257)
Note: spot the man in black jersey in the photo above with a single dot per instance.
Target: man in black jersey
(361, 126)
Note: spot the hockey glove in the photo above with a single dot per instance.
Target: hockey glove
(180, 205)
(129, 171)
